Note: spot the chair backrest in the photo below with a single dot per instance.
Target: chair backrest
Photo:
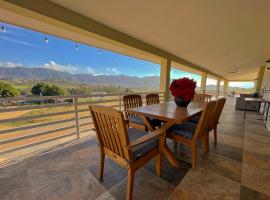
(111, 130)
(204, 123)
(218, 110)
(152, 99)
(131, 101)
(201, 98)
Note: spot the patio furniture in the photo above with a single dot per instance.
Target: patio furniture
(171, 114)
(152, 99)
(201, 98)
(187, 132)
(128, 147)
(251, 106)
(259, 116)
(216, 115)
(133, 101)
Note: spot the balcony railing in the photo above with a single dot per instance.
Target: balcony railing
(29, 121)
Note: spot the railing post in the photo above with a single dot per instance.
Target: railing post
(76, 116)
(120, 98)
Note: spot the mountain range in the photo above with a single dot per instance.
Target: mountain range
(24, 73)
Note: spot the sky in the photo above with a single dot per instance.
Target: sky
(21, 47)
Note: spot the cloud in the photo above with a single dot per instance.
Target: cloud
(114, 70)
(10, 64)
(19, 42)
(90, 70)
(63, 68)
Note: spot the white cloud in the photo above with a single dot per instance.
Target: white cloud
(10, 64)
(114, 70)
(90, 70)
(63, 68)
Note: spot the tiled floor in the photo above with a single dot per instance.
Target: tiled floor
(238, 168)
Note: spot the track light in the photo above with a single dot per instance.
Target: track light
(3, 30)
(46, 39)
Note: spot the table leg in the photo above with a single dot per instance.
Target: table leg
(162, 139)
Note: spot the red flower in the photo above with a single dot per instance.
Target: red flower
(183, 88)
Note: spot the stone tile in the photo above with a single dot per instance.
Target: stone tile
(106, 196)
(169, 173)
(113, 173)
(228, 168)
(146, 186)
(202, 184)
(12, 170)
(256, 159)
(249, 194)
(256, 178)
(15, 186)
(237, 142)
(64, 185)
(227, 150)
(88, 156)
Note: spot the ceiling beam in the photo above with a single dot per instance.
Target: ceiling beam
(41, 8)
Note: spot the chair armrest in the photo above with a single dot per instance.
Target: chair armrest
(146, 138)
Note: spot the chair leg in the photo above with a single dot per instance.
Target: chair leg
(193, 151)
(158, 164)
(215, 135)
(131, 174)
(101, 166)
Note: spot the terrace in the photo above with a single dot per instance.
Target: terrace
(52, 153)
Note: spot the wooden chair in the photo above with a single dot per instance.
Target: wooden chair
(187, 133)
(130, 148)
(152, 99)
(215, 117)
(133, 101)
(201, 98)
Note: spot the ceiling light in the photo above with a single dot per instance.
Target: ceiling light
(3, 30)
(76, 47)
(46, 39)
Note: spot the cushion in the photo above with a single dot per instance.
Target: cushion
(141, 149)
(136, 119)
(186, 130)
(195, 119)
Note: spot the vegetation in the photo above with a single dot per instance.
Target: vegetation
(7, 90)
(47, 90)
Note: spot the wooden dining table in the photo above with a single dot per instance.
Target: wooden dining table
(170, 114)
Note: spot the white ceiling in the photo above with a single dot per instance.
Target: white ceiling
(217, 35)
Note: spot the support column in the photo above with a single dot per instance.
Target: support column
(218, 87)
(226, 87)
(203, 82)
(258, 83)
(165, 70)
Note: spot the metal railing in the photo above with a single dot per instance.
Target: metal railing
(28, 121)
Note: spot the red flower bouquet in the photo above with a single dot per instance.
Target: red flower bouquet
(183, 90)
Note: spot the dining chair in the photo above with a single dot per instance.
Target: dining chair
(199, 98)
(215, 117)
(188, 132)
(133, 101)
(152, 99)
(128, 147)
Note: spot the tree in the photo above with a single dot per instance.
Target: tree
(7, 90)
(40, 89)
(54, 91)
